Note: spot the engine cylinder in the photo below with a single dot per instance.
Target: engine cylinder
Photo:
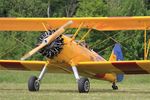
(52, 49)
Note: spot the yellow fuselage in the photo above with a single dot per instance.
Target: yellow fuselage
(73, 53)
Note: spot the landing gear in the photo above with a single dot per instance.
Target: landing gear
(114, 86)
(83, 85)
(34, 82)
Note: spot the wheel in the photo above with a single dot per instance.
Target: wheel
(33, 84)
(114, 86)
(83, 85)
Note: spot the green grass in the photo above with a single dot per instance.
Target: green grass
(13, 85)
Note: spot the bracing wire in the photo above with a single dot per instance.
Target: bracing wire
(8, 50)
(118, 42)
(110, 37)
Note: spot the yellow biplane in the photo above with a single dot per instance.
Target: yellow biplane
(65, 55)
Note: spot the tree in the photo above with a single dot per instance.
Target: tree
(131, 41)
(91, 9)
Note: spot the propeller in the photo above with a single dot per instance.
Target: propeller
(48, 40)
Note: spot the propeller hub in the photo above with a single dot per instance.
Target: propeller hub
(53, 49)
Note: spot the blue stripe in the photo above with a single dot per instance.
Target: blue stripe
(118, 52)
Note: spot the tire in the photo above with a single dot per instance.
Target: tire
(114, 87)
(33, 84)
(83, 85)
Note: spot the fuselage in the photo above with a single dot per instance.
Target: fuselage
(73, 53)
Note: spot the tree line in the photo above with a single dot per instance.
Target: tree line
(15, 44)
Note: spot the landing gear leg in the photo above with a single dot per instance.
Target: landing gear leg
(114, 86)
(83, 83)
(34, 82)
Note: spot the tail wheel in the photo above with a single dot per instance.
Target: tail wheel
(114, 86)
(83, 85)
(52, 49)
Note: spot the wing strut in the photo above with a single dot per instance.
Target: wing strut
(34, 82)
(45, 27)
(85, 35)
(76, 33)
(145, 52)
(148, 48)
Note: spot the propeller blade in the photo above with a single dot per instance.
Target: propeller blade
(33, 51)
(57, 33)
(48, 40)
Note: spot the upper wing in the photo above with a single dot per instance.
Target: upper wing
(119, 67)
(98, 23)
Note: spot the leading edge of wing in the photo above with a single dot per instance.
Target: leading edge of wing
(21, 65)
(119, 67)
(98, 23)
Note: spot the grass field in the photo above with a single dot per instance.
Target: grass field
(13, 86)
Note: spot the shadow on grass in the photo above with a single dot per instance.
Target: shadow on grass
(131, 91)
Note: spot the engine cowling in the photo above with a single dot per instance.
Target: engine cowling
(52, 49)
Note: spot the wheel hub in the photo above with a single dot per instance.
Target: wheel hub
(37, 85)
(86, 86)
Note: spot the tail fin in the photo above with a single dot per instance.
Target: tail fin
(117, 55)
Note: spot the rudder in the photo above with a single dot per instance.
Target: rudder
(117, 55)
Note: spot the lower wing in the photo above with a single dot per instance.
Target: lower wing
(32, 66)
(21, 65)
(118, 67)
(91, 68)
